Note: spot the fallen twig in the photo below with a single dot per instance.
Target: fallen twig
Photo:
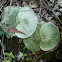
(57, 17)
(11, 29)
(8, 11)
(2, 51)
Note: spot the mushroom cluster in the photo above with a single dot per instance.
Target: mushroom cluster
(37, 36)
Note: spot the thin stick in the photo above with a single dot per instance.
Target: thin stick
(8, 11)
(3, 33)
(57, 17)
(2, 51)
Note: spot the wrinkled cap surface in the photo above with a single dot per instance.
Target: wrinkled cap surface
(50, 36)
(27, 20)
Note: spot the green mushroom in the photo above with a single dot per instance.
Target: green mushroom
(50, 36)
(11, 19)
(32, 42)
(27, 20)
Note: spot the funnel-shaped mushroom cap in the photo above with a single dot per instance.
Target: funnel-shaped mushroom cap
(27, 20)
(50, 36)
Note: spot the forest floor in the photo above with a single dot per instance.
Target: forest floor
(46, 10)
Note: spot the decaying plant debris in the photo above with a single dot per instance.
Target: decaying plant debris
(46, 10)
